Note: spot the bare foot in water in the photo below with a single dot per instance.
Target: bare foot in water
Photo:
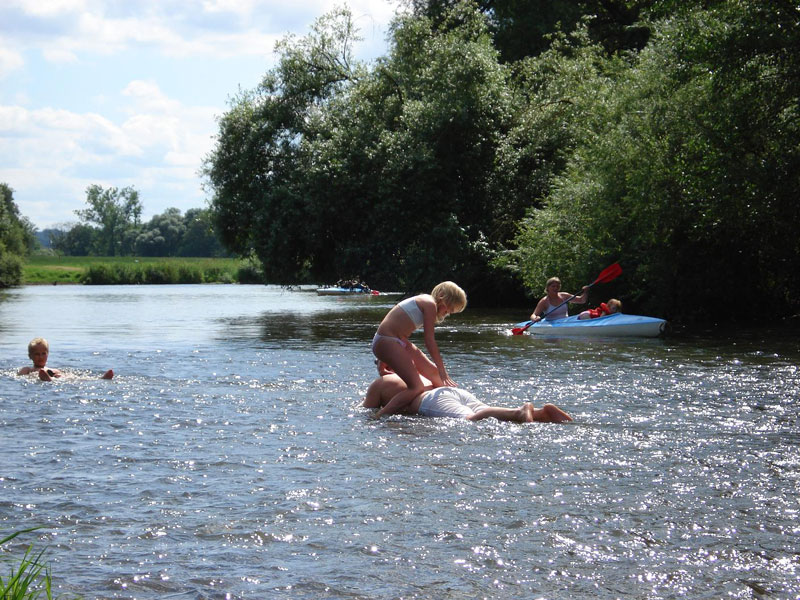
(553, 414)
(108, 374)
(549, 413)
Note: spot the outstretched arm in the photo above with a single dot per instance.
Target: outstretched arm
(583, 296)
(428, 308)
(398, 403)
(539, 311)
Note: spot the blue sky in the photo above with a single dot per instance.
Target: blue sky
(127, 92)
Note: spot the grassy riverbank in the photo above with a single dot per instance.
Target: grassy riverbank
(105, 270)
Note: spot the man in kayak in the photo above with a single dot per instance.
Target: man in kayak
(454, 402)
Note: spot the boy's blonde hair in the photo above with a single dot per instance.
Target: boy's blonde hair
(614, 305)
(37, 342)
(452, 295)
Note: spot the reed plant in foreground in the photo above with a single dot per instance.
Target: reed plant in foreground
(29, 579)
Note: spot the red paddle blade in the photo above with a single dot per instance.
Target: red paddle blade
(609, 274)
(520, 330)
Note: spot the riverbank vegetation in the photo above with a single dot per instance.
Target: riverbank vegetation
(662, 135)
(16, 238)
(119, 270)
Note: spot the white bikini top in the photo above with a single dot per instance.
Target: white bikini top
(413, 311)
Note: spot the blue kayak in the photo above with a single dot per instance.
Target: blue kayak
(616, 325)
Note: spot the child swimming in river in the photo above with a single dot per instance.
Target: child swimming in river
(38, 352)
(605, 308)
(391, 344)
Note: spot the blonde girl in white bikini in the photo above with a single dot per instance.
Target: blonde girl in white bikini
(392, 346)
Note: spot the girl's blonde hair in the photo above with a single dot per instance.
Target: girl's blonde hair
(37, 342)
(451, 295)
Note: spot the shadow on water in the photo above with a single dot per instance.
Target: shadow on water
(353, 325)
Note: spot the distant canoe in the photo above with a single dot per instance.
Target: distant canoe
(346, 291)
(616, 325)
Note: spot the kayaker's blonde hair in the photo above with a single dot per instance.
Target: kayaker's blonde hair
(451, 295)
(551, 280)
(614, 305)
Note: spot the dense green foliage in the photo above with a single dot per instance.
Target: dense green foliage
(659, 134)
(327, 169)
(523, 28)
(173, 234)
(16, 238)
(688, 172)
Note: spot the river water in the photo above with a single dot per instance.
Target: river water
(229, 457)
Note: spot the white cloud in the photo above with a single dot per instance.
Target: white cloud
(149, 97)
(63, 128)
(52, 155)
(10, 60)
(64, 29)
(48, 8)
(242, 8)
(59, 54)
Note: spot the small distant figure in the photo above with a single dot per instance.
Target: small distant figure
(38, 352)
(353, 284)
(605, 308)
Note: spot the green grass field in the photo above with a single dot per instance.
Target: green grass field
(130, 269)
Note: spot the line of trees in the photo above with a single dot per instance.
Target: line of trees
(494, 147)
(17, 238)
(111, 225)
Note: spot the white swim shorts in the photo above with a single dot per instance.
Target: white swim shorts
(449, 402)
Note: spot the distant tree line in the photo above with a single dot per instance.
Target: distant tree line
(111, 225)
(501, 142)
(17, 238)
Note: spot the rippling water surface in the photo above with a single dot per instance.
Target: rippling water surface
(229, 457)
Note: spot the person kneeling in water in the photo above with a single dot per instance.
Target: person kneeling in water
(453, 402)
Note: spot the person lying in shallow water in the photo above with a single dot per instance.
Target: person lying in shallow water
(38, 352)
(453, 402)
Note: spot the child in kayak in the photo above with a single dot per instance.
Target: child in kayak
(605, 308)
(392, 346)
(38, 352)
